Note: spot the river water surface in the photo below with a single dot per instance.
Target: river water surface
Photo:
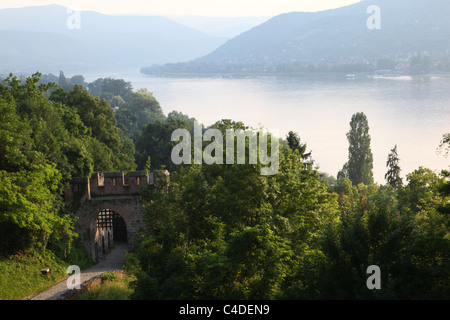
(410, 112)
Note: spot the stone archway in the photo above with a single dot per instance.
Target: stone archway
(120, 230)
(108, 228)
(89, 196)
(99, 218)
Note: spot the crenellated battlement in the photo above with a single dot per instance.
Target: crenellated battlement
(113, 184)
(106, 203)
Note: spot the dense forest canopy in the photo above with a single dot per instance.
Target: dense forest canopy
(49, 135)
(226, 232)
(222, 231)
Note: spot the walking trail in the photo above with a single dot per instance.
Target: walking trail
(113, 261)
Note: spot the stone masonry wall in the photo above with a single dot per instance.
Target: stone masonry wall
(109, 190)
(129, 208)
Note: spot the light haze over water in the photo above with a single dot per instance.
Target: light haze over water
(410, 112)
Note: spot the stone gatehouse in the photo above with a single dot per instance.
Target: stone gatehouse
(108, 207)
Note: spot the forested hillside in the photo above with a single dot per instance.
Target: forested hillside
(332, 40)
(226, 232)
(49, 38)
(49, 135)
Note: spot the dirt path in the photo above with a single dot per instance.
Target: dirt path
(113, 261)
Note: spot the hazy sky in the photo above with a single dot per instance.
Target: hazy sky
(227, 8)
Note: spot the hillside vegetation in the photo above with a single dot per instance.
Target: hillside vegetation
(329, 40)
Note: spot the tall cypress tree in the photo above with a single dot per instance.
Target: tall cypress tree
(360, 159)
(392, 176)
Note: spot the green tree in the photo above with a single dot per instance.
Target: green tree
(77, 79)
(392, 176)
(391, 228)
(145, 107)
(29, 204)
(15, 142)
(109, 87)
(156, 142)
(445, 189)
(445, 144)
(343, 173)
(420, 194)
(259, 262)
(127, 122)
(294, 143)
(52, 128)
(34, 161)
(176, 115)
(226, 231)
(360, 159)
(110, 148)
(425, 257)
(140, 109)
(62, 79)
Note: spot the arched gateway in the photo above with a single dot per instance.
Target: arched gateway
(108, 207)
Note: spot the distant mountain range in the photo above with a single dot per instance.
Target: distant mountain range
(228, 27)
(336, 36)
(38, 38)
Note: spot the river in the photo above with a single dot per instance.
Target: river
(410, 112)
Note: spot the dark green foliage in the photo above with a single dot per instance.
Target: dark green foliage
(109, 87)
(226, 232)
(393, 174)
(222, 231)
(360, 159)
(445, 144)
(43, 142)
(155, 142)
(294, 143)
(110, 149)
(445, 190)
(140, 109)
(399, 230)
(176, 115)
(127, 122)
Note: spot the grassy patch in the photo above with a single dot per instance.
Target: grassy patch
(20, 274)
(114, 286)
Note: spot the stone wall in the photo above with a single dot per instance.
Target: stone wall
(95, 239)
(115, 191)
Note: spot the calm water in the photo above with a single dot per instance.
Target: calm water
(413, 113)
